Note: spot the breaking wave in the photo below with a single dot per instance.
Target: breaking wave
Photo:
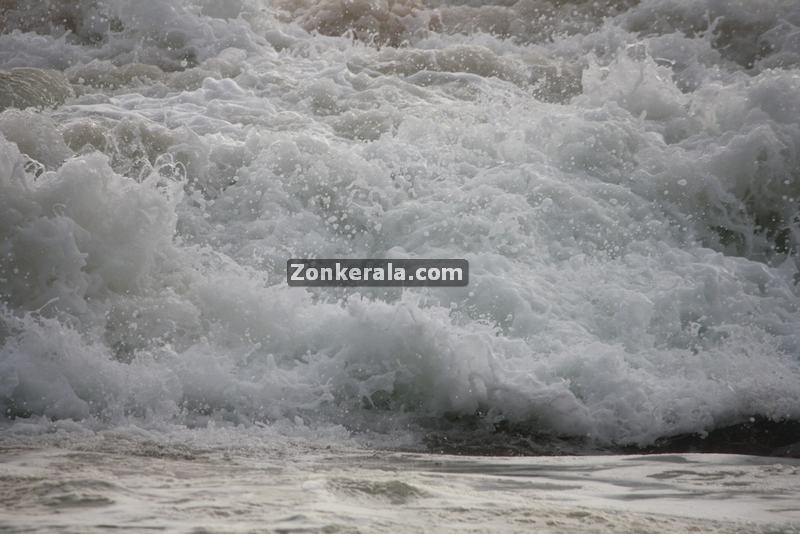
(624, 178)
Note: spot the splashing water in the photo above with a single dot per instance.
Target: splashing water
(623, 177)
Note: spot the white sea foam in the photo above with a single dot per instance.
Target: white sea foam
(189, 480)
(626, 194)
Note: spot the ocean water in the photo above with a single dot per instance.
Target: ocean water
(623, 177)
(195, 482)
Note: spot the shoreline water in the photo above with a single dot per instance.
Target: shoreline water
(127, 482)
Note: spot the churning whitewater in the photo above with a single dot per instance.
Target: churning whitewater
(623, 177)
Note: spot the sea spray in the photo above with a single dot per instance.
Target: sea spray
(626, 194)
